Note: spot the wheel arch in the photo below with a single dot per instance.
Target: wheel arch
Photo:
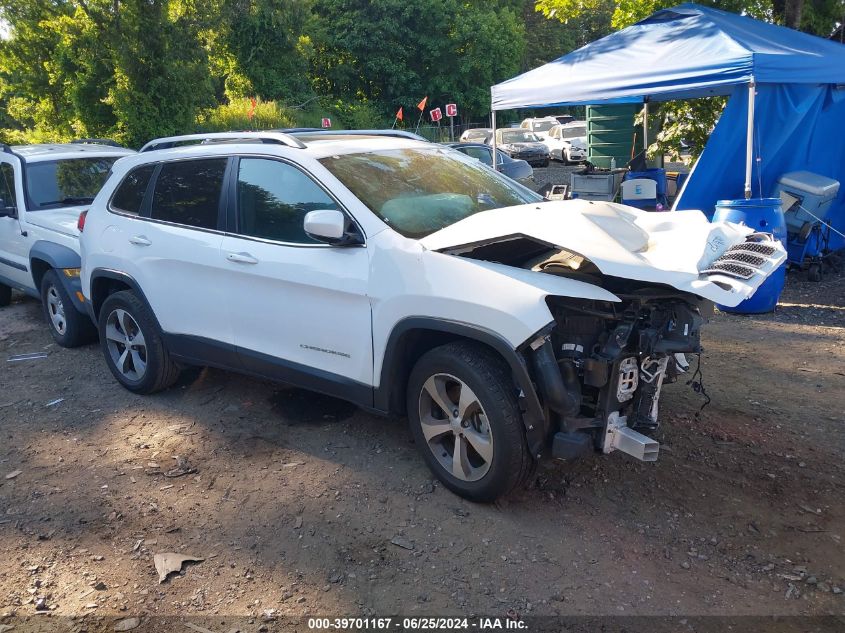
(414, 336)
(105, 282)
(45, 255)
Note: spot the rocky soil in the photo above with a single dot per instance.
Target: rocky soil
(299, 504)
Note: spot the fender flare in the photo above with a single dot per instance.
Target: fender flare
(116, 275)
(533, 416)
(57, 257)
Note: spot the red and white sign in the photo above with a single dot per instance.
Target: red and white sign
(436, 114)
(327, 122)
(451, 109)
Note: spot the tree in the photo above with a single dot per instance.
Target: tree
(132, 69)
(393, 52)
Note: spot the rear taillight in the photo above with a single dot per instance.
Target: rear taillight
(80, 223)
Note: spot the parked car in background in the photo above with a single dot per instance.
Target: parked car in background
(42, 190)
(404, 276)
(477, 135)
(567, 143)
(563, 119)
(518, 170)
(522, 144)
(540, 126)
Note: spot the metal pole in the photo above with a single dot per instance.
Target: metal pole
(749, 139)
(452, 129)
(645, 125)
(493, 122)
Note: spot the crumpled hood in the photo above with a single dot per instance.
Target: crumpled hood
(516, 147)
(666, 248)
(61, 220)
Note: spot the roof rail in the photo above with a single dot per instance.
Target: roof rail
(96, 141)
(264, 137)
(325, 132)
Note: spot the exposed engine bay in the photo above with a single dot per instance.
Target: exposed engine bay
(601, 367)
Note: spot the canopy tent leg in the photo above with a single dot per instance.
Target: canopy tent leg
(493, 124)
(645, 125)
(749, 139)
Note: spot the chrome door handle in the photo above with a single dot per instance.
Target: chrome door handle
(139, 240)
(241, 258)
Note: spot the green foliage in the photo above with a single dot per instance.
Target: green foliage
(137, 69)
(395, 52)
(235, 115)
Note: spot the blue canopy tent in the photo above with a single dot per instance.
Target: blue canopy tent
(795, 118)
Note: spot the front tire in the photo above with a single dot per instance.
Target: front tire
(133, 346)
(5, 295)
(465, 419)
(69, 327)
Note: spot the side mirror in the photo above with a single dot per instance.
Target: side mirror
(329, 226)
(7, 212)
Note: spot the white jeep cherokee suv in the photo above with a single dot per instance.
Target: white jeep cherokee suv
(42, 188)
(407, 278)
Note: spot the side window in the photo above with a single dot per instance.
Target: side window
(273, 198)
(130, 193)
(7, 184)
(188, 192)
(480, 153)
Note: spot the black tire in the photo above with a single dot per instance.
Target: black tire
(814, 273)
(5, 295)
(160, 371)
(489, 377)
(545, 163)
(68, 326)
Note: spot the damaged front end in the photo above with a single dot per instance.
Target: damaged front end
(600, 368)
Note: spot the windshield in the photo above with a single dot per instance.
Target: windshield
(60, 183)
(418, 191)
(518, 136)
(574, 132)
(544, 126)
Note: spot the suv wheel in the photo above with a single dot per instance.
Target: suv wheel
(5, 295)
(465, 420)
(133, 346)
(69, 327)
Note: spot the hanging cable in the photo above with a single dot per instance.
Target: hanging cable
(697, 384)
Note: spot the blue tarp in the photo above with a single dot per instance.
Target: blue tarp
(797, 127)
(679, 53)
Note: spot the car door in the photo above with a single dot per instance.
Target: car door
(14, 245)
(174, 255)
(299, 307)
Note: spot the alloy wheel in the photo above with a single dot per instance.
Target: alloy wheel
(126, 344)
(455, 427)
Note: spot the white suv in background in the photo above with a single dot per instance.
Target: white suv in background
(407, 278)
(43, 188)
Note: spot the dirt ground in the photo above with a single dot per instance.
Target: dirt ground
(301, 504)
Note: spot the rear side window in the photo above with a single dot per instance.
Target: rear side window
(188, 192)
(7, 184)
(480, 153)
(130, 194)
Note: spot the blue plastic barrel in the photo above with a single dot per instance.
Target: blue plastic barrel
(764, 215)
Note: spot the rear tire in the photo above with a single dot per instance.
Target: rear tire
(5, 295)
(477, 447)
(133, 346)
(68, 326)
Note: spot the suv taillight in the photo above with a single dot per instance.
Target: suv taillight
(80, 222)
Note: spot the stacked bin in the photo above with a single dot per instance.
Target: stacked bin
(610, 134)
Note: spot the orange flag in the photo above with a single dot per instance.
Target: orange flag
(399, 114)
(421, 104)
